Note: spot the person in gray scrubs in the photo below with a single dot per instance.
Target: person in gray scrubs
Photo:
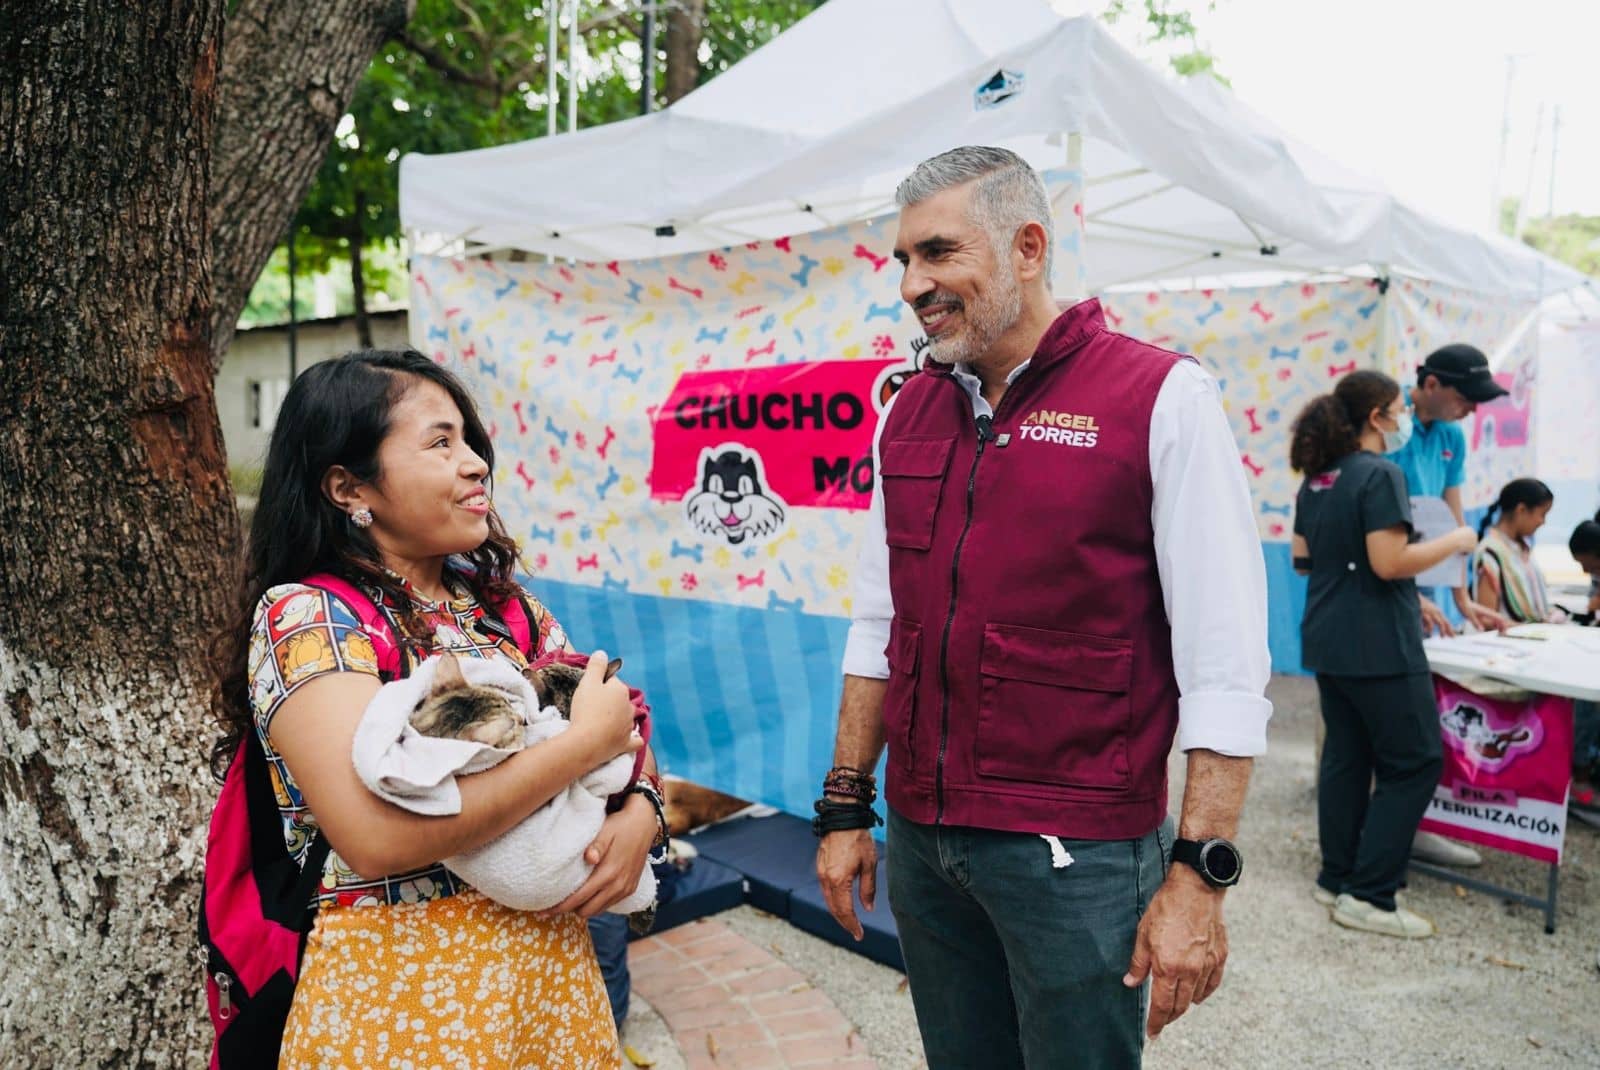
(1353, 538)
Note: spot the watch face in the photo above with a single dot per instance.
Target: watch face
(1221, 861)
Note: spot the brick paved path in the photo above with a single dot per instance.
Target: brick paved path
(733, 1005)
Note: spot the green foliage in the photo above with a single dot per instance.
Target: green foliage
(1167, 29)
(1571, 239)
(468, 74)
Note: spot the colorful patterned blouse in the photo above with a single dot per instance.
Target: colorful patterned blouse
(301, 633)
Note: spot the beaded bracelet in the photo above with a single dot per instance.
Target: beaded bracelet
(658, 847)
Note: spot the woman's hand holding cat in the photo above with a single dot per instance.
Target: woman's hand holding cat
(602, 711)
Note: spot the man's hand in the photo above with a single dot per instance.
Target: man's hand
(617, 855)
(1182, 944)
(842, 859)
(1434, 620)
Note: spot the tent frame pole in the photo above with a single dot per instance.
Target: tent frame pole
(1385, 277)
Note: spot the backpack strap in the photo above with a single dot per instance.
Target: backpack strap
(371, 617)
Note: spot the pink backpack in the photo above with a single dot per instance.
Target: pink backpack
(256, 901)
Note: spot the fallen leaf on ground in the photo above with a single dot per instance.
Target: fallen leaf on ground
(1461, 893)
(711, 1045)
(1507, 963)
(635, 1058)
(905, 983)
(1534, 1042)
(776, 950)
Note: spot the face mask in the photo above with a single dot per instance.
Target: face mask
(1396, 439)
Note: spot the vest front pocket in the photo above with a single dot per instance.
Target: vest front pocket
(1055, 707)
(912, 473)
(900, 698)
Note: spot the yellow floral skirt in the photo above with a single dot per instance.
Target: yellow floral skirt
(456, 982)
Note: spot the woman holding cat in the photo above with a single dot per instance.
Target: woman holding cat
(377, 473)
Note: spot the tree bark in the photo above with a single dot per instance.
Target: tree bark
(685, 30)
(289, 70)
(119, 533)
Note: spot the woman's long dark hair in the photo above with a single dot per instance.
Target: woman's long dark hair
(1329, 427)
(1530, 492)
(337, 413)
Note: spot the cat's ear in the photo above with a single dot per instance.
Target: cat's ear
(448, 676)
(541, 685)
(613, 667)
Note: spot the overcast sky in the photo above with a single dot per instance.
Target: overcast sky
(1413, 91)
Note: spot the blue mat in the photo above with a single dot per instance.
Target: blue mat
(778, 857)
(705, 888)
(880, 940)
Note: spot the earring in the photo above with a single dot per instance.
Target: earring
(362, 517)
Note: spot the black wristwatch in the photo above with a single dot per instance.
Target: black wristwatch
(1217, 861)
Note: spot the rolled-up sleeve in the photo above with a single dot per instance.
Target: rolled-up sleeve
(871, 606)
(1213, 577)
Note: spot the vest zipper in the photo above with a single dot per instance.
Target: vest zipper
(985, 433)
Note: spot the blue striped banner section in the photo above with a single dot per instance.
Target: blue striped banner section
(1286, 604)
(744, 700)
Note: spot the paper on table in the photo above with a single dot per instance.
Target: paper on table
(1432, 518)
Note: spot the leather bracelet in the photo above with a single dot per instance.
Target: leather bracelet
(842, 817)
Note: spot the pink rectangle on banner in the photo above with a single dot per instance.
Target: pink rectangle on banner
(1507, 768)
(801, 433)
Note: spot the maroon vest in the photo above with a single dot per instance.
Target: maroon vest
(1030, 658)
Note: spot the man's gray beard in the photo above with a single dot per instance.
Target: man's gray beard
(985, 323)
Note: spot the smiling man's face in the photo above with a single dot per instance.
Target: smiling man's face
(965, 296)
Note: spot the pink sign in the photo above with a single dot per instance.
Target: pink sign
(1505, 421)
(1507, 767)
(740, 446)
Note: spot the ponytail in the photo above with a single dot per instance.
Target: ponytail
(1329, 427)
(1528, 492)
(1488, 520)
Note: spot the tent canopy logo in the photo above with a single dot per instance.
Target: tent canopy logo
(1000, 87)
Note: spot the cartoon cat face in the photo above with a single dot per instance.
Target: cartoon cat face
(732, 501)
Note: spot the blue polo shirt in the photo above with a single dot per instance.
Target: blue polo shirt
(1434, 459)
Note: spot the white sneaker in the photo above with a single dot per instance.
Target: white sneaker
(1322, 895)
(1431, 847)
(1355, 913)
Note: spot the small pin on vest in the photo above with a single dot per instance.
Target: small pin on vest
(1003, 441)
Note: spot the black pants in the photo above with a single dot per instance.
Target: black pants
(1383, 726)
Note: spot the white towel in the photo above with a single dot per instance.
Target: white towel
(537, 863)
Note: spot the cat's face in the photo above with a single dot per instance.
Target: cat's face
(555, 684)
(455, 709)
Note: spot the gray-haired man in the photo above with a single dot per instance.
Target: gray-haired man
(1060, 574)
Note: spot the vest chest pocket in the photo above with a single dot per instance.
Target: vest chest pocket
(912, 471)
(900, 697)
(1055, 707)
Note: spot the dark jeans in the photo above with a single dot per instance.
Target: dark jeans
(1015, 963)
(1385, 727)
(610, 935)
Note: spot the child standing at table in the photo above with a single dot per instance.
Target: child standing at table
(1504, 575)
(1360, 635)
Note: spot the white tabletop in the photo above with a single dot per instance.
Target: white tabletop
(1555, 659)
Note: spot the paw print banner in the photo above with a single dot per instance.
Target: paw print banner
(1274, 348)
(683, 451)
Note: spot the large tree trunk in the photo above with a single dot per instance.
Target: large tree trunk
(118, 529)
(289, 70)
(685, 30)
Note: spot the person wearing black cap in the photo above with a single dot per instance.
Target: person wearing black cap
(1451, 383)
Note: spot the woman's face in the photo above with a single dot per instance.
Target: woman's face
(429, 499)
(1527, 520)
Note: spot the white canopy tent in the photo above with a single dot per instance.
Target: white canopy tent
(817, 127)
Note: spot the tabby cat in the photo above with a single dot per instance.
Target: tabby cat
(455, 709)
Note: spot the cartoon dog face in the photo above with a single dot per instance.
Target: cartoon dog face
(732, 501)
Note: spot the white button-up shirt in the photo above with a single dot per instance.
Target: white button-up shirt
(1208, 554)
